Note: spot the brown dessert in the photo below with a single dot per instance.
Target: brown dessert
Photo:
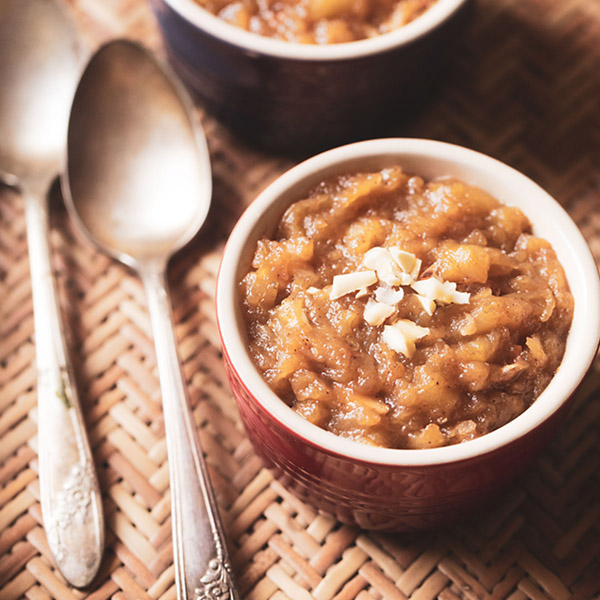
(318, 21)
(403, 313)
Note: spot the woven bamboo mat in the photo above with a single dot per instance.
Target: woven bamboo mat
(525, 88)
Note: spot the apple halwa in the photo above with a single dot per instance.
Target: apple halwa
(403, 313)
(318, 21)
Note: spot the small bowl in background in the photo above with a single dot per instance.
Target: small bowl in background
(295, 98)
(381, 488)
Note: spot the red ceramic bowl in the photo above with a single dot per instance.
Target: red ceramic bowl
(380, 488)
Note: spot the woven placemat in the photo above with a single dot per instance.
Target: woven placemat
(524, 88)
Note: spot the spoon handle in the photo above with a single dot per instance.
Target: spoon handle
(202, 566)
(70, 495)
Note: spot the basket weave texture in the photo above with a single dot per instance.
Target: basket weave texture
(525, 88)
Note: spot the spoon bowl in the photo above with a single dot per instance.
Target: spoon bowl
(144, 193)
(138, 182)
(40, 62)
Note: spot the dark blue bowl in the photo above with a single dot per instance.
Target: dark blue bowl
(297, 98)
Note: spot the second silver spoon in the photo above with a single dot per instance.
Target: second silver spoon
(40, 63)
(138, 182)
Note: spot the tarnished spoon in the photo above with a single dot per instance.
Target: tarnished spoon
(138, 182)
(40, 62)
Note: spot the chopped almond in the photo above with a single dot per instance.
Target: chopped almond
(377, 312)
(351, 282)
(402, 335)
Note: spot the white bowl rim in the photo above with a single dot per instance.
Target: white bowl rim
(256, 44)
(582, 342)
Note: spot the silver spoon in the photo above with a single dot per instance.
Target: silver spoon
(138, 182)
(40, 62)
